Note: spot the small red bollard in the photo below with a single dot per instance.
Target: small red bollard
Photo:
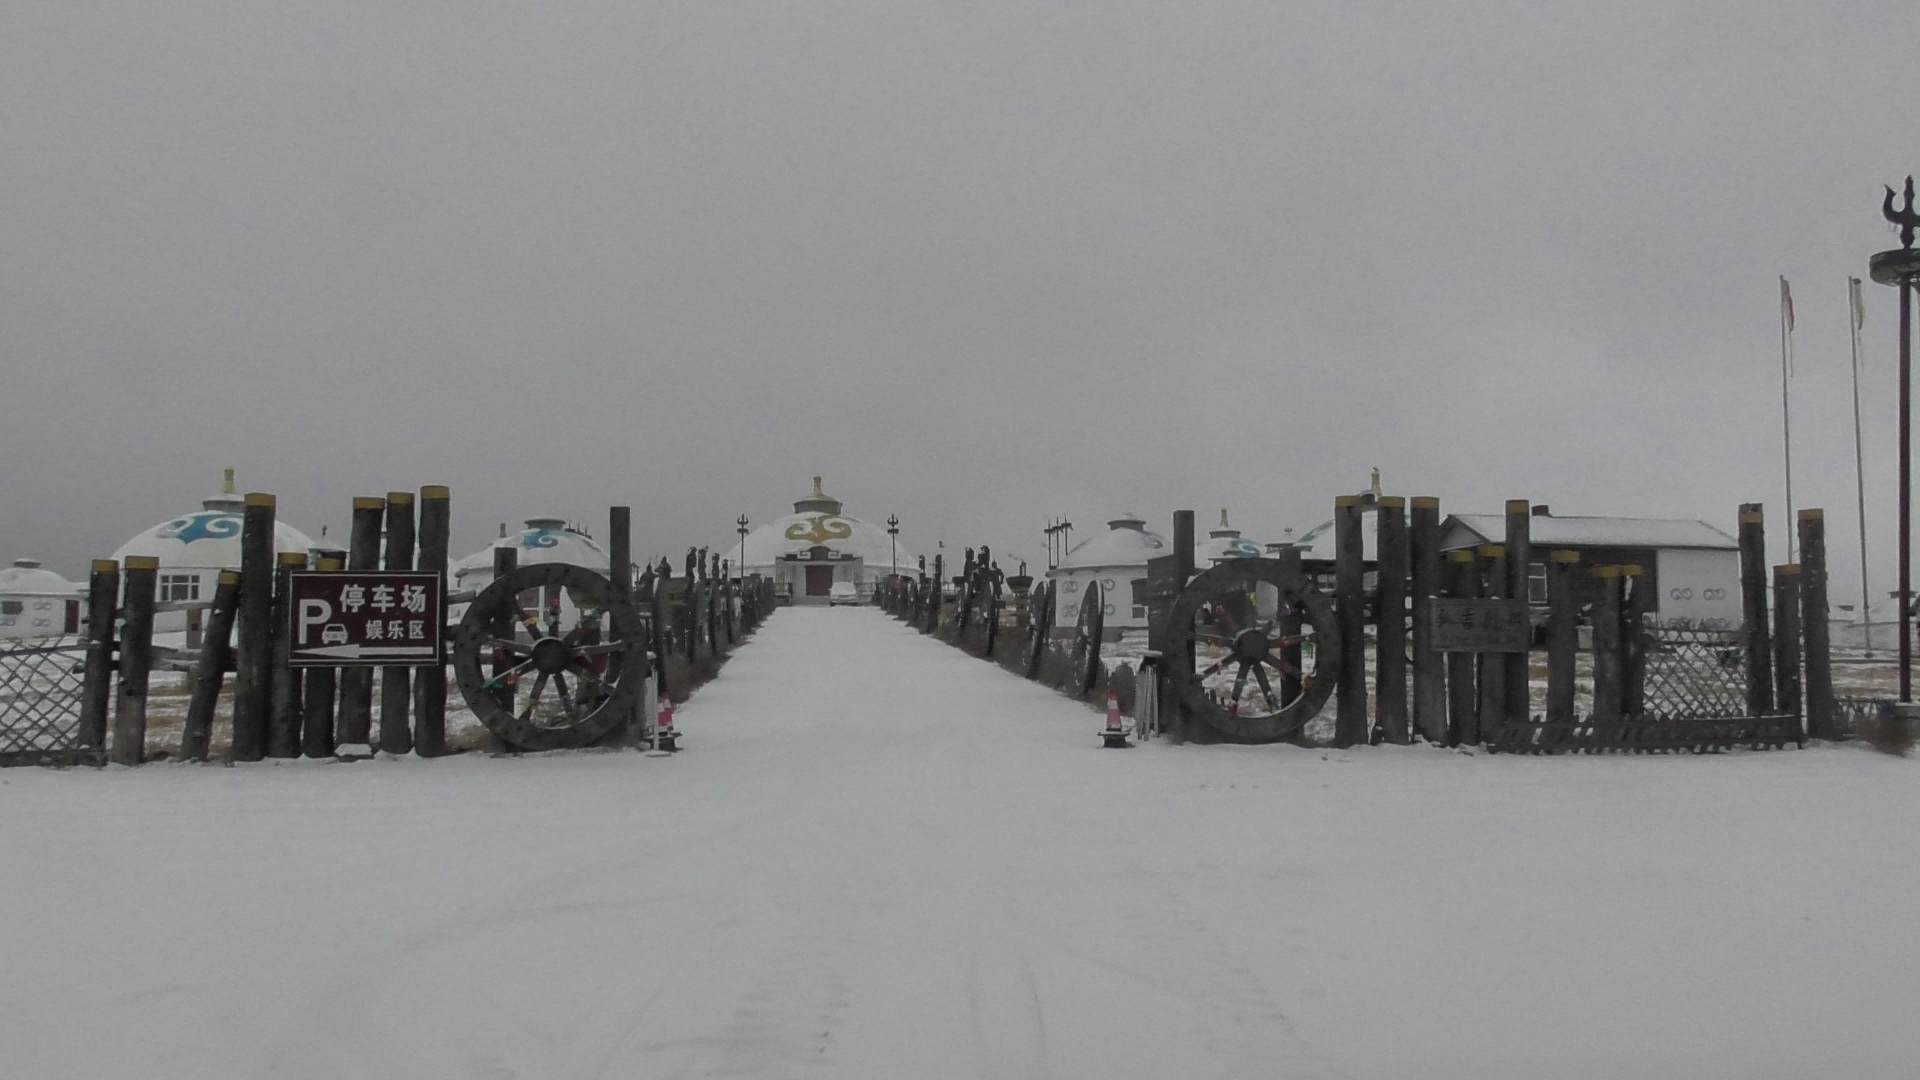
(664, 736)
(1114, 737)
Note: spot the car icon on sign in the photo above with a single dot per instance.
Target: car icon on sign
(333, 634)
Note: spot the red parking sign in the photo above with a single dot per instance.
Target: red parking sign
(395, 619)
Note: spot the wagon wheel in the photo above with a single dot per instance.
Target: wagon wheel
(565, 687)
(1039, 628)
(1244, 643)
(1083, 661)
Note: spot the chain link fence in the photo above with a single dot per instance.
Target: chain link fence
(40, 681)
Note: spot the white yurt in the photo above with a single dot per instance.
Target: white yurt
(194, 547)
(807, 551)
(36, 602)
(544, 540)
(1117, 559)
(1223, 543)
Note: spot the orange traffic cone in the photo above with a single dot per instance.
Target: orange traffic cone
(664, 736)
(1114, 737)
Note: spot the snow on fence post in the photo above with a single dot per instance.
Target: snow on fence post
(129, 746)
(1519, 666)
(396, 683)
(316, 711)
(430, 682)
(1563, 635)
(210, 670)
(1606, 644)
(1463, 700)
(1821, 710)
(1429, 678)
(1786, 638)
(1390, 614)
(1350, 717)
(96, 687)
(356, 681)
(1493, 666)
(283, 712)
(253, 656)
(1753, 608)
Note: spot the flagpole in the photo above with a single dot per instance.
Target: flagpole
(1855, 313)
(1786, 418)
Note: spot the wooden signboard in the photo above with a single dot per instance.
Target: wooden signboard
(385, 618)
(1481, 625)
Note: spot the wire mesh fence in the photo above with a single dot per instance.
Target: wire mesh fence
(40, 681)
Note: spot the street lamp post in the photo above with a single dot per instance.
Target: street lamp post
(1901, 267)
(893, 532)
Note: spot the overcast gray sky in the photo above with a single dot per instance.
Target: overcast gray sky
(976, 263)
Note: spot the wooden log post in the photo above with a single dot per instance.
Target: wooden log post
(1175, 715)
(1463, 697)
(430, 682)
(253, 651)
(1606, 644)
(1390, 630)
(96, 687)
(1429, 672)
(936, 596)
(1753, 608)
(1638, 603)
(283, 713)
(1786, 639)
(396, 683)
(1519, 666)
(1822, 712)
(356, 682)
(1563, 635)
(210, 670)
(1290, 626)
(1349, 597)
(316, 708)
(620, 571)
(1492, 568)
(129, 745)
(505, 561)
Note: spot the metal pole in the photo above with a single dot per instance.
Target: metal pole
(1902, 268)
(1859, 461)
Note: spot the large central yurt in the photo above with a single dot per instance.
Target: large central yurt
(807, 551)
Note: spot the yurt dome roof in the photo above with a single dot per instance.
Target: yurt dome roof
(1125, 543)
(817, 521)
(26, 577)
(209, 537)
(1224, 542)
(544, 540)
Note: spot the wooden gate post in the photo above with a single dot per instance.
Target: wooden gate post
(1390, 630)
(1606, 645)
(283, 713)
(1429, 677)
(1350, 716)
(1492, 569)
(936, 595)
(1822, 715)
(1463, 699)
(129, 746)
(396, 683)
(316, 712)
(210, 670)
(620, 572)
(505, 561)
(1289, 625)
(1518, 690)
(430, 682)
(1786, 639)
(253, 654)
(96, 688)
(1563, 635)
(356, 682)
(1638, 604)
(1753, 608)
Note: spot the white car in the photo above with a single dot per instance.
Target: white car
(843, 592)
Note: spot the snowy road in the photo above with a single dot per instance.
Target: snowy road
(880, 858)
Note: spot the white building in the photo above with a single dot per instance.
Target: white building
(1117, 559)
(36, 602)
(544, 540)
(194, 547)
(807, 551)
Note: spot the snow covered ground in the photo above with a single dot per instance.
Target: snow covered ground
(879, 858)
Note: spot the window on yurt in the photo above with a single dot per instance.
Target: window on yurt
(1139, 598)
(178, 587)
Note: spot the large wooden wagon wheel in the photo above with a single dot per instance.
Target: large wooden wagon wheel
(1083, 660)
(1247, 679)
(562, 687)
(1039, 627)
